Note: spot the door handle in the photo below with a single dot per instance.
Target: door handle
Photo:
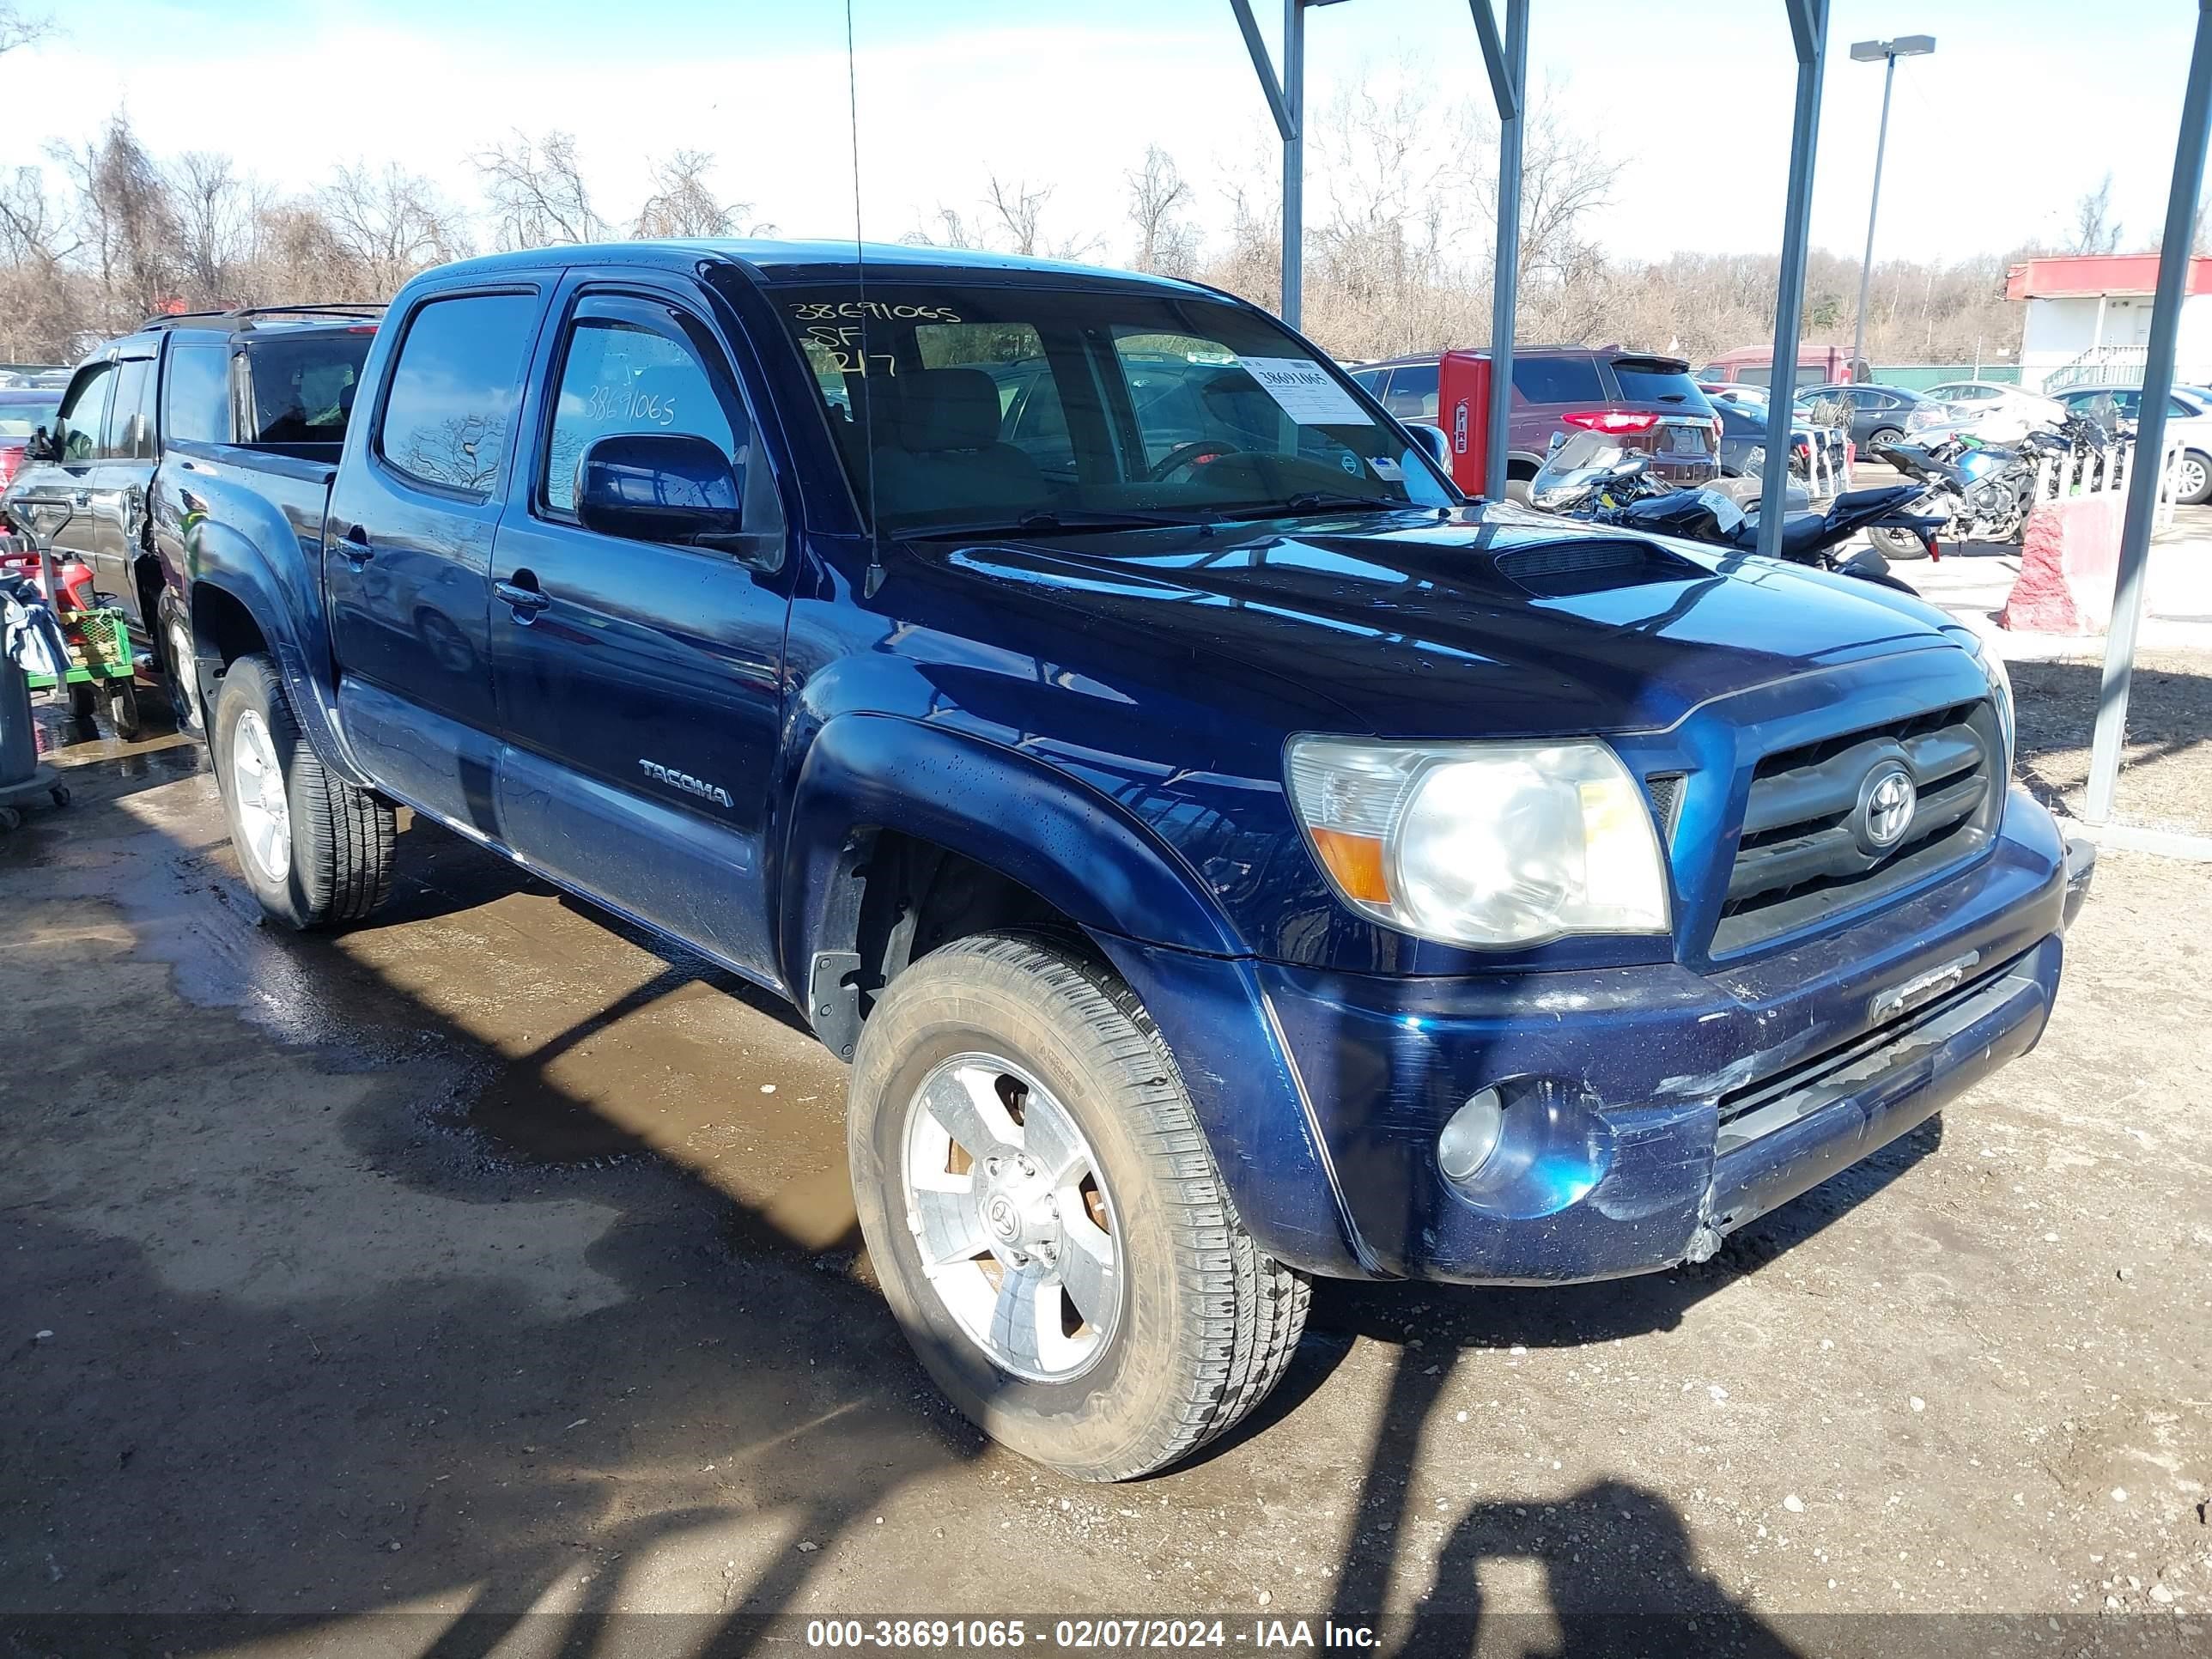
(354, 547)
(522, 594)
(80, 498)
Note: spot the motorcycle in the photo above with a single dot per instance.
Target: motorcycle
(1590, 478)
(1980, 492)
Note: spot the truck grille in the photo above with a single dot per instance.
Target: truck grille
(1808, 847)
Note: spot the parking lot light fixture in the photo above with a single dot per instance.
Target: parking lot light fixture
(1885, 52)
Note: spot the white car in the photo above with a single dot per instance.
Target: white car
(2188, 421)
(1995, 413)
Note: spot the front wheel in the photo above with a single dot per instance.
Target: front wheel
(314, 849)
(1895, 543)
(1046, 1219)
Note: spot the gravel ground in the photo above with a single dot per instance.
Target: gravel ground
(483, 1281)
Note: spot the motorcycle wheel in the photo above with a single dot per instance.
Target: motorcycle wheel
(1894, 544)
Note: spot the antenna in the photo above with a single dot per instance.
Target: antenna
(874, 579)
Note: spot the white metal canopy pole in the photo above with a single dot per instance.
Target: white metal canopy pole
(2145, 477)
(1808, 35)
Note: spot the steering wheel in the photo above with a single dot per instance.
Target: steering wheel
(1189, 455)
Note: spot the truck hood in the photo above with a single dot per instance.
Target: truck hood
(1496, 622)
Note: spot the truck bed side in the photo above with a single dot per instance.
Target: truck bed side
(245, 525)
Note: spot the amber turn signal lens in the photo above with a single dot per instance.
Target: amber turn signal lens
(1356, 861)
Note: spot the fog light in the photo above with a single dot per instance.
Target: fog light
(1472, 1135)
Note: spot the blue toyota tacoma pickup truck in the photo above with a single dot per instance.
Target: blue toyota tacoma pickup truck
(1225, 855)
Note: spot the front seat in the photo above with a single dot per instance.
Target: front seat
(937, 447)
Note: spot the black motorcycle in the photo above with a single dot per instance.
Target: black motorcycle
(1981, 492)
(1591, 478)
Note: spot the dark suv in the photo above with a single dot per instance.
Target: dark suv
(278, 379)
(1651, 404)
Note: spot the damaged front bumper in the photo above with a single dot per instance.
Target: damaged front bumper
(1647, 1112)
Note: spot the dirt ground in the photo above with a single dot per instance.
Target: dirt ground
(2166, 767)
(483, 1281)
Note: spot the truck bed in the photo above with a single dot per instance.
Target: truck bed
(287, 480)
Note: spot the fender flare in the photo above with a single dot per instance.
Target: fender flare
(1145, 907)
(226, 563)
(1065, 843)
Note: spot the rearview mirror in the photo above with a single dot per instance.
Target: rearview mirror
(665, 487)
(1434, 439)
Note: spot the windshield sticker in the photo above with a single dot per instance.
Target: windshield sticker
(818, 310)
(1304, 389)
(1386, 468)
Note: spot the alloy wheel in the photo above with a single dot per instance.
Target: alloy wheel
(1012, 1218)
(264, 810)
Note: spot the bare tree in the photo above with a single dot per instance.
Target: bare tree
(20, 28)
(945, 228)
(215, 219)
(125, 220)
(2095, 231)
(384, 226)
(684, 204)
(537, 193)
(1019, 210)
(1167, 243)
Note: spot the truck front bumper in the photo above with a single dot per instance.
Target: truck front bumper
(1647, 1111)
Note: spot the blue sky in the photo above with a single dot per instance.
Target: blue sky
(2024, 106)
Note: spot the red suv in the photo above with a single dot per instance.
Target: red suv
(1649, 402)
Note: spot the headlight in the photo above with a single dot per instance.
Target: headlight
(1482, 844)
(2000, 681)
(2001, 694)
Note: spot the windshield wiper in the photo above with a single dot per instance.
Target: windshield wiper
(1058, 521)
(1322, 501)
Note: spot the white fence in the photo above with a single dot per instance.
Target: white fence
(2105, 471)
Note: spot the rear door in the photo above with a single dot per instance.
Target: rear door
(640, 683)
(408, 549)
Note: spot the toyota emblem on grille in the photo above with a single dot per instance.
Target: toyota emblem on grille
(1887, 803)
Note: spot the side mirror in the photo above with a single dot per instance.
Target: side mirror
(659, 487)
(42, 446)
(1434, 439)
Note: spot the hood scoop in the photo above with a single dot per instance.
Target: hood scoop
(1569, 566)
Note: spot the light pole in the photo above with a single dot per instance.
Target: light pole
(1886, 52)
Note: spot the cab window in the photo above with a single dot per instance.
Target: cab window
(84, 412)
(453, 389)
(633, 364)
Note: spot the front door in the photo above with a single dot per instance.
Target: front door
(639, 684)
(56, 498)
(408, 549)
(119, 481)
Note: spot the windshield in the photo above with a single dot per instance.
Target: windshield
(1577, 466)
(21, 417)
(993, 406)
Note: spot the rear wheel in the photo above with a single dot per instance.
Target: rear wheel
(314, 849)
(120, 697)
(1894, 544)
(84, 702)
(1883, 435)
(1046, 1219)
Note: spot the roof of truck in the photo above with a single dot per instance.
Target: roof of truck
(805, 261)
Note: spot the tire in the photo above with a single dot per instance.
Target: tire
(1894, 544)
(120, 699)
(172, 642)
(10, 819)
(1197, 1326)
(327, 856)
(1880, 435)
(1522, 491)
(2193, 479)
(83, 701)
